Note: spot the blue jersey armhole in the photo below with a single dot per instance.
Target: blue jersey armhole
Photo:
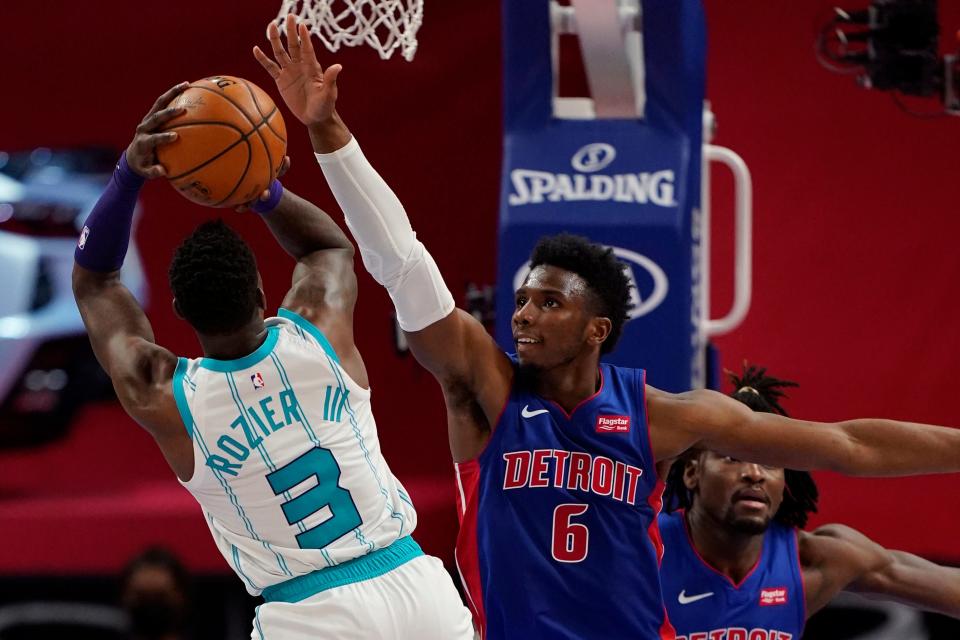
(794, 536)
(310, 328)
(181, 397)
(640, 378)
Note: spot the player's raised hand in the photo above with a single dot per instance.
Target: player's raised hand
(309, 91)
(142, 151)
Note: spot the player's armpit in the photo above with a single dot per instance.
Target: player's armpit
(869, 569)
(122, 340)
(322, 281)
(465, 360)
(142, 375)
(831, 558)
(143, 380)
(324, 292)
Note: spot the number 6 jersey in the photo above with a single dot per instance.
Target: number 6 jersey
(558, 531)
(288, 469)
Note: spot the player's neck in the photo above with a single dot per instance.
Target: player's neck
(569, 384)
(237, 344)
(732, 553)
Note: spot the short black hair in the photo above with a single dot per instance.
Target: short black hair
(213, 276)
(762, 393)
(161, 557)
(605, 275)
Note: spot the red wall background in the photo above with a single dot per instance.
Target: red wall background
(855, 216)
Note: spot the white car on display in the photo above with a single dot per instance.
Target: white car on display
(48, 368)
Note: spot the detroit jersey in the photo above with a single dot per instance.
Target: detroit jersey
(288, 469)
(705, 605)
(558, 533)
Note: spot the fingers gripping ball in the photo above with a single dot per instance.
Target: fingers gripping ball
(230, 142)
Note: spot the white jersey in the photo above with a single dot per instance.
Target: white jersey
(288, 469)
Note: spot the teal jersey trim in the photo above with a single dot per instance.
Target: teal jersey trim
(224, 366)
(359, 569)
(181, 397)
(310, 328)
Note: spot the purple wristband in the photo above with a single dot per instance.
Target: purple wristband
(106, 231)
(125, 176)
(268, 205)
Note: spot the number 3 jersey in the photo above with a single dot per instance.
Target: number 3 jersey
(288, 469)
(558, 531)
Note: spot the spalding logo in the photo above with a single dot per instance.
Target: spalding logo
(648, 282)
(533, 186)
(593, 157)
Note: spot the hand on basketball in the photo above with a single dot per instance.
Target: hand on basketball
(265, 194)
(142, 152)
(309, 91)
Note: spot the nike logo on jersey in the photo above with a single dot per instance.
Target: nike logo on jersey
(683, 598)
(526, 413)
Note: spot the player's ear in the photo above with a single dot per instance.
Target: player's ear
(261, 296)
(598, 330)
(176, 309)
(691, 473)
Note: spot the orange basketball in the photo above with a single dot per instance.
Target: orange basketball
(231, 141)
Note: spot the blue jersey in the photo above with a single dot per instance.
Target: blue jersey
(558, 530)
(706, 605)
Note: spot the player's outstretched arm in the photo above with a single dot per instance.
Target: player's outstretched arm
(837, 558)
(868, 447)
(474, 373)
(324, 288)
(119, 331)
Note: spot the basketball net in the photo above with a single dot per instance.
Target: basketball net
(385, 25)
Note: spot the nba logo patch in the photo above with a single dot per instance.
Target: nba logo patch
(83, 237)
(257, 380)
(613, 424)
(773, 597)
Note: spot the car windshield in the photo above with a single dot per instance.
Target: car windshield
(28, 166)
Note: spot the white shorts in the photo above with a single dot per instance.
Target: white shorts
(415, 601)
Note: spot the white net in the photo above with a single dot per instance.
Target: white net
(385, 25)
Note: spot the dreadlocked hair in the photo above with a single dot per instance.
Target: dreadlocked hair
(604, 274)
(762, 393)
(213, 276)
(759, 391)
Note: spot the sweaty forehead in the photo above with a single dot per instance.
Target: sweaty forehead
(546, 276)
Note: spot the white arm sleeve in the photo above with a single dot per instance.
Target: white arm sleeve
(389, 247)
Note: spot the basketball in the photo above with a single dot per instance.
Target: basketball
(230, 144)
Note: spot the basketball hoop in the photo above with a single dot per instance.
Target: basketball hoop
(385, 25)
